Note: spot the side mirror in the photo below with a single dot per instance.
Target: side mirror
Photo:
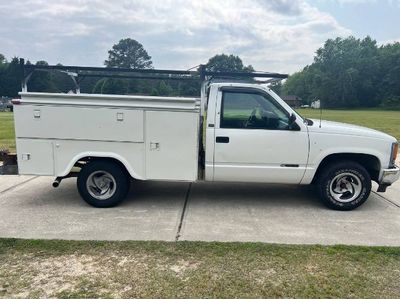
(292, 118)
(292, 123)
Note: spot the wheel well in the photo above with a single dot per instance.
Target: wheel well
(369, 162)
(82, 161)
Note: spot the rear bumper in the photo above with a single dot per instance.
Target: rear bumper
(390, 175)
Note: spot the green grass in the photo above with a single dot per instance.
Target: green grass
(7, 134)
(83, 269)
(382, 120)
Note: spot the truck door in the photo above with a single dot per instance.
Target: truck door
(253, 139)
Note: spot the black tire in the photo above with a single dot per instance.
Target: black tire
(115, 179)
(354, 179)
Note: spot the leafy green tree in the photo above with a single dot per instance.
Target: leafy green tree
(154, 92)
(87, 85)
(11, 79)
(389, 87)
(227, 63)
(111, 86)
(348, 69)
(61, 82)
(303, 84)
(41, 81)
(345, 73)
(128, 53)
(164, 89)
(3, 65)
(3, 60)
(189, 88)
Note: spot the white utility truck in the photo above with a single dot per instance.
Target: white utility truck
(236, 132)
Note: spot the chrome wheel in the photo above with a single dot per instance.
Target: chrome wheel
(101, 185)
(345, 187)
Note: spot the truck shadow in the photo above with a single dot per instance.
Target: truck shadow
(172, 195)
(226, 193)
(153, 194)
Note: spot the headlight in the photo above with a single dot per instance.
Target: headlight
(393, 156)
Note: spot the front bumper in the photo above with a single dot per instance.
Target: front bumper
(390, 175)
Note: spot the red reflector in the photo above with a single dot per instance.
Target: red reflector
(16, 101)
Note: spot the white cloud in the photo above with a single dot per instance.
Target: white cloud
(276, 35)
(344, 2)
(350, 1)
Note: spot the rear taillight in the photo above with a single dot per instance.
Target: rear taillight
(16, 101)
(395, 150)
(393, 155)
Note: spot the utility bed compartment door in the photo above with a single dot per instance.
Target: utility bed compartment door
(35, 157)
(171, 145)
(79, 123)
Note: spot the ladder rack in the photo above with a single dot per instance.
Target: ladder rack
(78, 73)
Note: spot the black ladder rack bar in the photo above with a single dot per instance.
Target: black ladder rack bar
(32, 67)
(77, 73)
(246, 74)
(119, 76)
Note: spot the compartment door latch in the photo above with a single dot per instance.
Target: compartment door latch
(154, 146)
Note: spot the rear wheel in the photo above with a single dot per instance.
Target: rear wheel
(103, 184)
(344, 185)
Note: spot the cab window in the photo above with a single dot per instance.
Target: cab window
(246, 110)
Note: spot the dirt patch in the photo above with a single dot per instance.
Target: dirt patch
(51, 275)
(183, 266)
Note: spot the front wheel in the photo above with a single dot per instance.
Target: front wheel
(103, 184)
(344, 185)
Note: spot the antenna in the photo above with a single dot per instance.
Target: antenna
(320, 113)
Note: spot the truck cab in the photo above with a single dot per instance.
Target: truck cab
(252, 135)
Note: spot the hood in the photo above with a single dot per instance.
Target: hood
(332, 127)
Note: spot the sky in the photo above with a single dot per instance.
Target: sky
(271, 35)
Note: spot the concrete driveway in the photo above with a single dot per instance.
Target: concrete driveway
(31, 208)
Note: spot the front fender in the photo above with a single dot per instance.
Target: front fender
(324, 145)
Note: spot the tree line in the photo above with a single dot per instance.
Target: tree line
(346, 72)
(350, 72)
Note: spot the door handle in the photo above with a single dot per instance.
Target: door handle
(222, 139)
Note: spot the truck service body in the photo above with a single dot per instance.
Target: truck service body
(237, 132)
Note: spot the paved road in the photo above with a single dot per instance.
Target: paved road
(31, 208)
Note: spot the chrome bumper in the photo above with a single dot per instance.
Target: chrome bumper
(389, 176)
